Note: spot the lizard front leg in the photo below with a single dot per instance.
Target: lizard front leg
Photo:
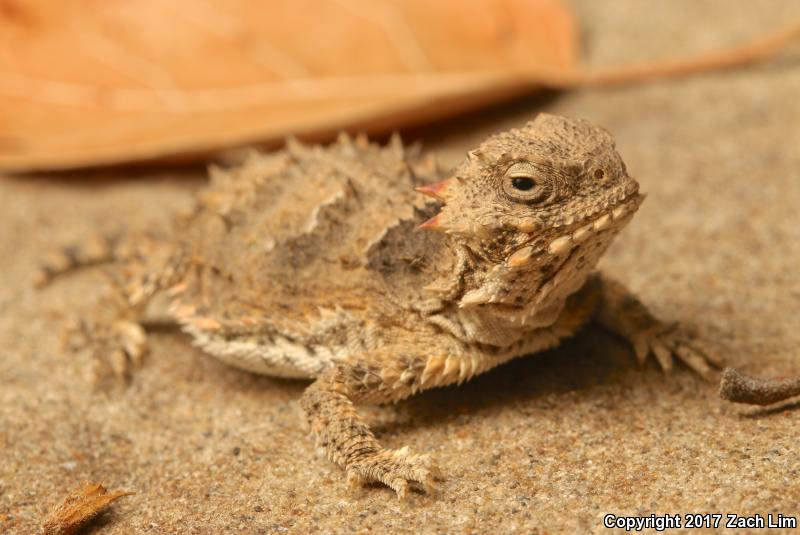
(329, 405)
(622, 313)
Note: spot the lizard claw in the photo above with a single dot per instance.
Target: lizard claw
(121, 348)
(398, 469)
(667, 341)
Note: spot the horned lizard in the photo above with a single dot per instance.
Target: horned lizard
(324, 263)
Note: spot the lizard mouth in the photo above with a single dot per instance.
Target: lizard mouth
(576, 251)
(607, 220)
(582, 245)
(537, 275)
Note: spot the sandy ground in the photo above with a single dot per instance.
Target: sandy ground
(544, 444)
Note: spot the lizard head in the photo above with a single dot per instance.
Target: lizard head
(535, 208)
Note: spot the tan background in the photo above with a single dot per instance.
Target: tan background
(549, 443)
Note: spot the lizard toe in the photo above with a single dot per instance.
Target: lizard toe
(672, 342)
(398, 469)
(692, 358)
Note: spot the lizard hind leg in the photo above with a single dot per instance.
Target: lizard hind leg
(112, 330)
(112, 334)
(117, 347)
(329, 405)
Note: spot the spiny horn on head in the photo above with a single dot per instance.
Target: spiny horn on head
(436, 190)
(433, 223)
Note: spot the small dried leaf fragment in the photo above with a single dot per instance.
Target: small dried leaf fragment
(79, 507)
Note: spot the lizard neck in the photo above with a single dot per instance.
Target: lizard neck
(480, 300)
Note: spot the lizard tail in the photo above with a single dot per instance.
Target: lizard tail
(96, 250)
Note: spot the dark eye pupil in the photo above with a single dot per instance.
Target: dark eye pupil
(523, 184)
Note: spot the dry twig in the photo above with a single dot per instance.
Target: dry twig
(742, 389)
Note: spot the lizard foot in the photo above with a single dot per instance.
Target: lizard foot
(117, 348)
(668, 340)
(398, 469)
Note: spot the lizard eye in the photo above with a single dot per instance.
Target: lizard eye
(523, 182)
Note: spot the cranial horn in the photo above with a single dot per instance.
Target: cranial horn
(433, 223)
(436, 190)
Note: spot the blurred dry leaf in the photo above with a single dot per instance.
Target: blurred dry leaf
(99, 82)
(82, 504)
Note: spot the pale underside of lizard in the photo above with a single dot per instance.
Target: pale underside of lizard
(325, 263)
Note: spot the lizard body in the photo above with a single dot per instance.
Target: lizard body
(325, 263)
